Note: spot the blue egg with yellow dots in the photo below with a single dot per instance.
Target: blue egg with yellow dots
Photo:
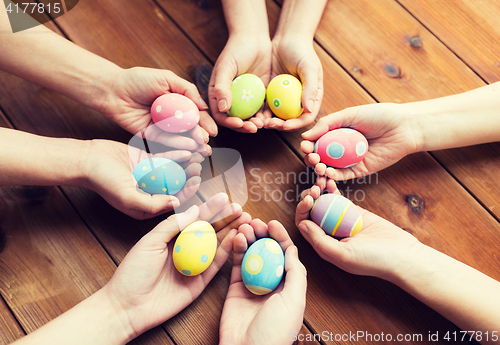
(263, 266)
(159, 176)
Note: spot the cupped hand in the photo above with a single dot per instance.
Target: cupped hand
(241, 55)
(390, 133)
(108, 166)
(148, 288)
(129, 104)
(378, 250)
(268, 319)
(297, 57)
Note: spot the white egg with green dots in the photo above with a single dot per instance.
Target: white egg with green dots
(263, 266)
(159, 176)
(194, 249)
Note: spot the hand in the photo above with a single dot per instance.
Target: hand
(148, 288)
(390, 133)
(297, 57)
(269, 319)
(380, 249)
(129, 105)
(108, 169)
(240, 55)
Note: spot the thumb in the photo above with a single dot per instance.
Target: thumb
(169, 228)
(310, 80)
(340, 119)
(224, 76)
(296, 276)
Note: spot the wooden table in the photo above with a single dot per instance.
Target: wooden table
(59, 245)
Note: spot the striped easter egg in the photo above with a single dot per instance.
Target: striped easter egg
(336, 215)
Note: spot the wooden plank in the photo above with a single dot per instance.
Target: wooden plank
(468, 27)
(371, 39)
(10, 330)
(477, 169)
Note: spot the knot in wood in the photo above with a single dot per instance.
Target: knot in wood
(415, 202)
(415, 42)
(392, 71)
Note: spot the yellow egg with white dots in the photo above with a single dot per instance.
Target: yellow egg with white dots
(194, 249)
(284, 96)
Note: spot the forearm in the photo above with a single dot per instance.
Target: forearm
(246, 18)
(465, 119)
(43, 57)
(465, 296)
(300, 18)
(96, 320)
(27, 159)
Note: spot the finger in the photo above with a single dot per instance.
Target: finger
(164, 232)
(240, 247)
(303, 120)
(199, 135)
(228, 121)
(189, 189)
(260, 228)
(296, 276)
(221, 255)
(212, 206)
(223, 77)
(320, 169)
(155, 134)
(307, 146)
(321, 127)
(208, 123)
(326, 246)
(193, 169)
(278, 232)
(310, 78)
(258, 122)
(248, 232)
(226, 216)
(303, 209)
(145, 206)
(274, 123)
(244, 218)
(331, 186)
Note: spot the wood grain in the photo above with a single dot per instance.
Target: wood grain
(468, 27)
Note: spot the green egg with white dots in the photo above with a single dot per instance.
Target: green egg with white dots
(249, 93)
(159, 176)
(194, 249)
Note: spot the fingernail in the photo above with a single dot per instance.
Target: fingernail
(303, 227)
(203, 104)
(173, 203)
(222, 105)
(308, 132)
(310, 105)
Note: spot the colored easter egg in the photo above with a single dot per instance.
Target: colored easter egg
(159, 176)
(263, 266)
(194, 249)
(248, 92)
(341, 148)
(175, 113)
(284, 96)
(336, 215)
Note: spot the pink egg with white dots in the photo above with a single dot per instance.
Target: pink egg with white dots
(341, 148)
(175, 113)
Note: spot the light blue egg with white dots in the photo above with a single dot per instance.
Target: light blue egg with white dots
(263, 266)
(159, 176)
(194, 249)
